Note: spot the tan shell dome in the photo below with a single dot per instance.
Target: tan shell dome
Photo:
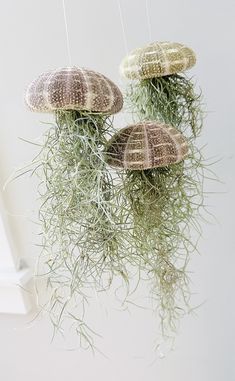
(73, 88)
(146, 145)
(157, 60)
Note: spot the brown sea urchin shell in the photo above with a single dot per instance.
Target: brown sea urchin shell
(146, 145)
(157, 60)
(73, 88)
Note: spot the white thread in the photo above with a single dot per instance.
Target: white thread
(123, 26)
(148, 20)
(67, 34)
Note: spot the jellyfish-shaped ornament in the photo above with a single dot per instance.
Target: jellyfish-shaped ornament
(151, 157)
(160, 90)
(166, 201)
(81, 234)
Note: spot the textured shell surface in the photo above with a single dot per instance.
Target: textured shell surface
(157, 60)
(73, 88)
(146, 145)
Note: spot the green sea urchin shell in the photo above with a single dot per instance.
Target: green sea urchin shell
(157, 60)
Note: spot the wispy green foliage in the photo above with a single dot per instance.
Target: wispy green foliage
(166, 202)
(165, 205)
(83, 232)
(171, 99)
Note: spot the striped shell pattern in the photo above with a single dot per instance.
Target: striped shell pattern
(146, 145)
(73, 88)
(157, 60)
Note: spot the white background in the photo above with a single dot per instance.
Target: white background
(32, 40)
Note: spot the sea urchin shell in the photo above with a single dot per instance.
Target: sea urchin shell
(146, 145)
(157, 60)
(73, 88)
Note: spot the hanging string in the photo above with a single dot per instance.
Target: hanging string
(67, 34)
(123, 26)
(148, 20)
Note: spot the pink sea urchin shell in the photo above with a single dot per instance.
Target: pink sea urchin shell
(73, 88)
(146, 145)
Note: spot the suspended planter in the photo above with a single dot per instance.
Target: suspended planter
(82, 232)
(162, 170)
(160, 90)
(159, 190)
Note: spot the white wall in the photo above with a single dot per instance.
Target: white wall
(32, 39)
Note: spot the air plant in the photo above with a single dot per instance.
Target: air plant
(83, 237)
(160, 91)
(162, 171)
(159, 185)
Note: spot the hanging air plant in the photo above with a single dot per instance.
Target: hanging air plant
(82, 232)
(159, 91)
(163, 170)
(161, 189)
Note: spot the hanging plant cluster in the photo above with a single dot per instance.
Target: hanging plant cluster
(99, 222)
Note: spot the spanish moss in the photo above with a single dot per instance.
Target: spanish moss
(83, 234)
(171, 99)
